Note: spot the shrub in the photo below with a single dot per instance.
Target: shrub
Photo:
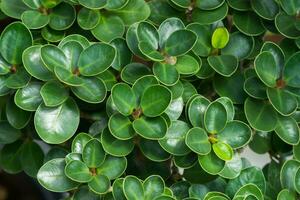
(145, 100)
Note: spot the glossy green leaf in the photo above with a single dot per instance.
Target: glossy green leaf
(236, 133)
(10, 157)
(208, 4)
(211, 163)
(261, 116)
(78, 171)
(255, 88)
(13, 8)
(87, 18)
(93, 154)
(8, 133)
(249, 190)
(33, 19)
(288, 172)
(174, 48)
(196, 111)
(99, 184)
(248, 23)
(52, 176)
(151, 128)
(210, 16)
(96, 59)
(15, 38)
(166, 73)
(220, 38)
(288, 130)
(153, 187)
(198, 141)
(72, 51)
(281, 22)
(153, 151)
(225, 65)
(17, 117)
(290, 6)
(174, 140)
(123, 54)
(53, 123)
(223, 150)
(232, 167)
(54, 57)
(113, 167)
(155, 100)
(133, 188)
(62, 16)
(286, 194)
(124, 98)
(29, 98)
(109, 28)
(54, 93)
(134, 71)
(79, 142)
(114, 146)
(215, 118)
(290, 74)
(67, 77)
(120, 127)
(187, 65)
(267, 9)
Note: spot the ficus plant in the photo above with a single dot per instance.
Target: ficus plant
(152, 100)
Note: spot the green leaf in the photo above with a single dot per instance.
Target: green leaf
(62, 16)
(153, 151)
(92, 4)
(166, 73)
(232, 167)
(210, 16)
(115, 4)
(88, 18)
(15, 38)
(134, 71)
(249, 190)
(175, 109)
(34, 19)
(151, 128)
(209, 4)
(8, 133)
(248, 175)
(72, 51)
(73, 156)
(113, 167)
(290, 74)
(248, 23)
(155, 100)
(287, 174)
(215, 117)
(16, 117)
(203, 44)
(290, 6)
(141, 84)
(228, 105)
(276, 52)
(120, 127)
(153, 187)
(281, 22)
(67, 77)
(13, 8)
(223, 150)
(93, 90)
(75, 37)
(197, 140)
(288, 130)
(78, 171)
(296, 180)
(220, 38)
(10, 157)
(5, 67)
(133, 11)
(266, 68)
(52, 176)
(239, 45)
(50, 3)
(150, 52)
(93, 154)
(53, 123)
(33, 64)
(109, 28)
(54, 93)
(52, 35)
(118, 189)
(211, 163)
(83, 192)
(100, 184)
(114, 146)
(175, 48)
(277, 96)
(29, 98)
(124, 98)
(255, 88)
(174, 140)
(261, 116)
(54, 57)
(266, 9)
(286, 194)
(225, 65)
(241, 131)
(19, 79)
(187, 65)
(96, 59)
(147, 33)
(133, 188)
(79, 142)
(32, 157)
(239, 5)
(196, 111)
(167, 27)
(109, 79)
(123, 54)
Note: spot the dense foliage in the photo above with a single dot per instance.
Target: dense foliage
(152, 100)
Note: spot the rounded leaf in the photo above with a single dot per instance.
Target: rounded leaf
(225, 65)
(166, 73)
(54, 93)
(99, 184)
(211, 163)
(78, 171)
(220, 38)
(8, 133)
(133, 188)
(223, 150)
(93, 154)
(120, 127)
(215, 117)
(197, 140)
(288, 130)
(151, 128)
